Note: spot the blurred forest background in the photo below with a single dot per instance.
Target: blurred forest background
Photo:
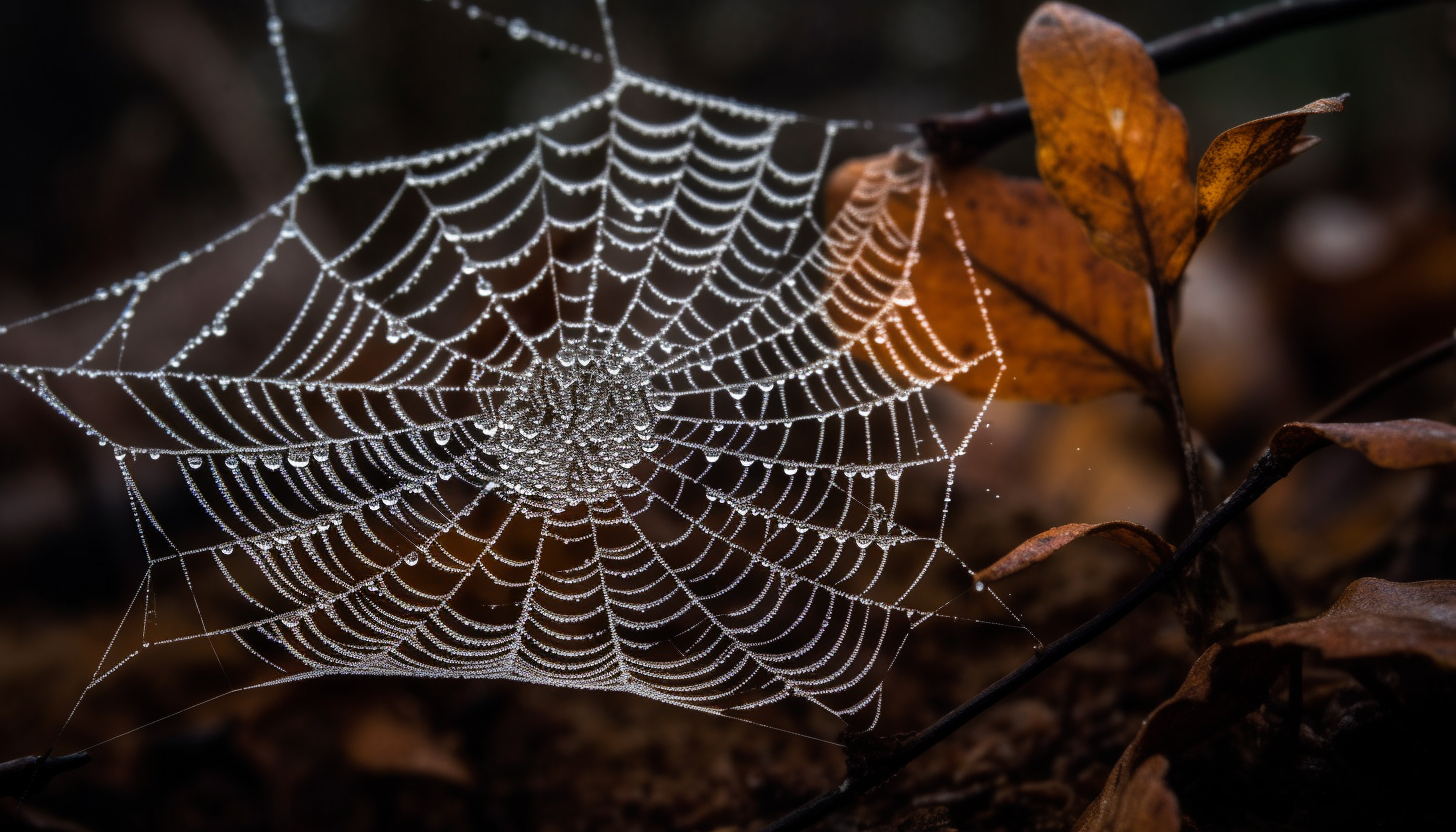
(135, 129)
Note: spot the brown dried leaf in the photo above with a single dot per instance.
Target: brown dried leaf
(1107, 142)
(1399, 444)
(1148, 805)
(1243, 154)
(1131, 536)
(1373, 620)
(1072, 326)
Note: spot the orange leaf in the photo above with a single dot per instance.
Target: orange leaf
(1131, 536)
(1107, 142)
(1239, 156)
(1400, 444)
(1072, 326)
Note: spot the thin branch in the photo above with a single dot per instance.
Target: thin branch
(28, 775)
(1272, 467)
(961, 137)
(1388, 378)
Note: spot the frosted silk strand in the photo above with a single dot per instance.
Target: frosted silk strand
(593, 402)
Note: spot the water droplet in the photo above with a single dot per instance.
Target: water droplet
(442, 436)
(321, 453)
(272, 461)
(412, 559)
(194, 462)
(710, 455)
(298, 458)
(231, 462)
(980, 587)
(518, 29)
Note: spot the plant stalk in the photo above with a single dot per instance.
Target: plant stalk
(962, 137)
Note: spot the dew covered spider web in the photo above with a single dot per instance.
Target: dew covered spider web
(596, 402)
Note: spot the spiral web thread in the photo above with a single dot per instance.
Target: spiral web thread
(593, 402)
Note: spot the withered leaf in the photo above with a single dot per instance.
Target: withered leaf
(1373, 620)
(1148, 805)
(1131, 536)
(1072, 325)
(1399, 444)
(1110, 146)
(1243, 154)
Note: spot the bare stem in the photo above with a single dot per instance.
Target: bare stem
(961, 137)
(1173, 393)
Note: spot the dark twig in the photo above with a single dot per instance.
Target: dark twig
(1388, 378)
(28, 775)
(1272, 467)
(961, 137)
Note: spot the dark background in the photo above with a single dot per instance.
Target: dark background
(133, 129)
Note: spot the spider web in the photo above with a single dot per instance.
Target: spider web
(593, 402)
